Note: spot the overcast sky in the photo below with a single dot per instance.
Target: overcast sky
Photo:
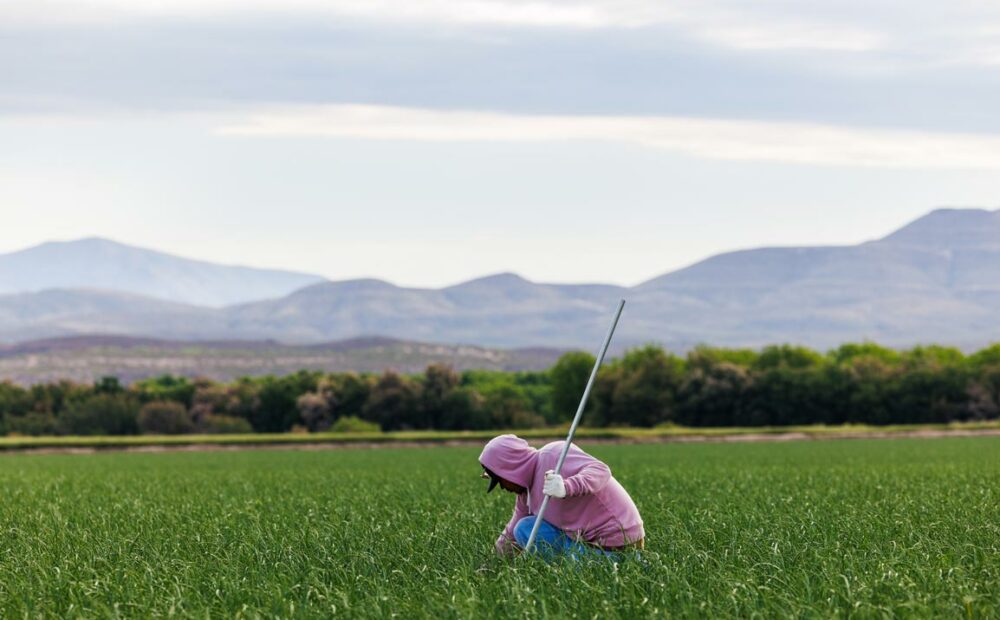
(431, 141)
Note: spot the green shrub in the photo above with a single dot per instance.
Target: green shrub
(569, 378)
(101, 414)
(394, 402)
(33, 423)
(164, 417)
(165, 387)
(224, 425)
(464, 409)
(354, 424)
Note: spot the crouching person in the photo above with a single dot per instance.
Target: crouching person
(590, 513)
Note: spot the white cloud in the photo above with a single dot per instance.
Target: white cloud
(906, 32)
(799, 143)
(867, 37)
(497, 12)
(789, 36)
(721, 22)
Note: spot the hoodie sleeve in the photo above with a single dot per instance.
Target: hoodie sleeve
(507, 544)
(590, 479)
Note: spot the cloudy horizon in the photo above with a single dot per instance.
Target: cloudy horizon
(433, 141)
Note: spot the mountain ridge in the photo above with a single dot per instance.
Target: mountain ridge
(934, 279)
(98, 262)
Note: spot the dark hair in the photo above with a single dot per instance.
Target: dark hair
(494, 479)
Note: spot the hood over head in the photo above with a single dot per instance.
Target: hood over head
(511, 458)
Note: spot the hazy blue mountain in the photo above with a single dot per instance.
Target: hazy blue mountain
(500, 310)
(60, 312)
(96, 263)
(951, 229)
(936, 279)
(335, 310)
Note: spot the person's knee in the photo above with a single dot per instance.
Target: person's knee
(522, 530)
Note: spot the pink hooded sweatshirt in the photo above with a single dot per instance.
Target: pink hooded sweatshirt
(596, 509)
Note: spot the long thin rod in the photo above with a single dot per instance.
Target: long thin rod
(576, 422)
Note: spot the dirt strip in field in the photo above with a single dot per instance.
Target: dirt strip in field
(734, 438)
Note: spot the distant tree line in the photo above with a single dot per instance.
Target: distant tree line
(648, 386)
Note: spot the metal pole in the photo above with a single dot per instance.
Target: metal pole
(576, 422)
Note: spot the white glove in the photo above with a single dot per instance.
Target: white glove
(554, 485)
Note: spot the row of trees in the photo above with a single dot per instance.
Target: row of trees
(779, 385)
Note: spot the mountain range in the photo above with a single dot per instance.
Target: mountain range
(97, 263)
(936, 279)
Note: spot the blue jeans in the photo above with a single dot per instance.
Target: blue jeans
(551, 542)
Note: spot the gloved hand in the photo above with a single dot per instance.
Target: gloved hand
(554, 485)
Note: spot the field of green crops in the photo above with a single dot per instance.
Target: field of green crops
(863, 528)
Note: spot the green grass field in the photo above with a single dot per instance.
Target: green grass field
(863, 528)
